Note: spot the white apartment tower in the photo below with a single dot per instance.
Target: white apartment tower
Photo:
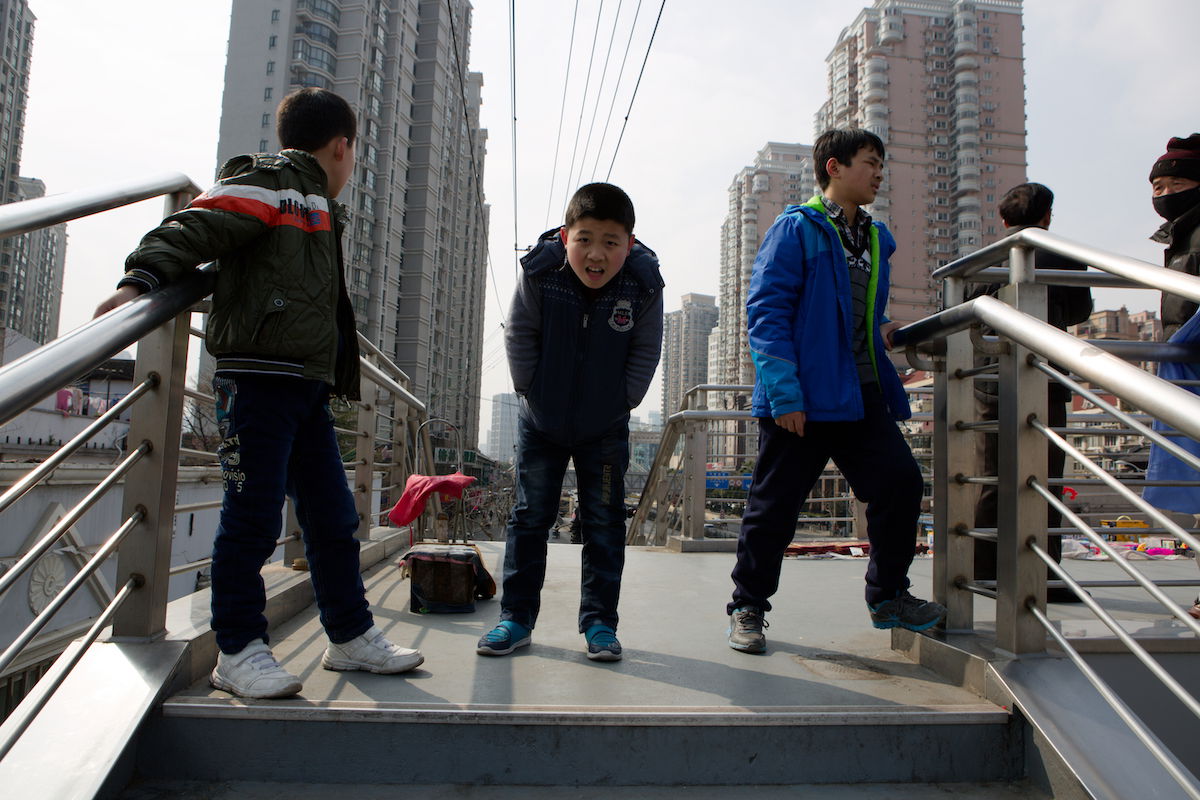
(502, 437)
(782, 174)
(941, 82)
(685, 348)
(416, 249)
(31, 264)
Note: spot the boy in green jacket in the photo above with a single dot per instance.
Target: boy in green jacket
(283, 334)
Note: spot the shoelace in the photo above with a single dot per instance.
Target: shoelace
(604, 638)
(744, 620)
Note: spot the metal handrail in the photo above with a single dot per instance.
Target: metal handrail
(43, 212)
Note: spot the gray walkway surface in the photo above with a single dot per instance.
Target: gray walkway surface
(822, 648)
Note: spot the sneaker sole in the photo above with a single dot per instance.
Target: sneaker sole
(217, 682)
(749, 648)
(888, 625)
(491, 651)
(343, 665)
(604, 655)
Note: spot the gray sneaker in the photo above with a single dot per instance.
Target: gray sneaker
(746, 625)
(906, 611)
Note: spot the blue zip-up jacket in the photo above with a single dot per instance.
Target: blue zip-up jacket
(581, 364)
(801, 321)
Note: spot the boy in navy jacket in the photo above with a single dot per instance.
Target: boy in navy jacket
(825, 389)
(583, 337)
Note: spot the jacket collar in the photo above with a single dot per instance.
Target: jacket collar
(308, 166)
(1184, 224)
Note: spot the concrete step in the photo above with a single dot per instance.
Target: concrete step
(361, 742)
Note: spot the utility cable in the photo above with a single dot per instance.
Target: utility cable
(512, 82)
(635, 90)
(462, 86)
(562, 107)
(616, 90)
(583, 103)
(587, 144)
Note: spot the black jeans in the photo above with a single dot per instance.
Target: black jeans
(600, 471)
(277, 437)
(879, 466)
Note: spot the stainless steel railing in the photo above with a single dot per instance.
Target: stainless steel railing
(389, 416)
(1023, 346)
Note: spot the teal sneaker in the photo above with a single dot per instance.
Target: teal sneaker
(602, 644)
(906, 611)
(503, 639)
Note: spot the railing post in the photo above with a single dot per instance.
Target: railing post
(151, 483)
(364, 459)
(694, 450)
(953, 455)
(1021, 515)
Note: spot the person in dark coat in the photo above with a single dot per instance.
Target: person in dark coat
(1175, 182)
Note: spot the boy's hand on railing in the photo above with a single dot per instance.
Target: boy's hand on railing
(886, 330)
(793, 421)
(119, 297)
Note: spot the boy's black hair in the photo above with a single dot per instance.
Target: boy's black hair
(1026, 204)
(307, 119)
(601, 201)
(842, 144)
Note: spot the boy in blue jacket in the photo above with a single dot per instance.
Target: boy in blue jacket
(584, 336)
(824, 388)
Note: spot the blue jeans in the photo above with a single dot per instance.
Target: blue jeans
(600, 472)
(277, 437)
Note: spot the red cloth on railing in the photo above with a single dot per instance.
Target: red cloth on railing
(417, 490)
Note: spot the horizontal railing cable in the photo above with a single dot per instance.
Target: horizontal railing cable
(1115, 556)
(69, 590)
(1135, 426)
(49, 684)
(201, 563)
(1136, 726)
(1132, 497)
(71, 517)
(35, 476)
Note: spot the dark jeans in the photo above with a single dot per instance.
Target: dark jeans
(986, 506)
(277, 437)
(600, 472)
(878, 465)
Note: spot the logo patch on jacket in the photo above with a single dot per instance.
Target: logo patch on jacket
(621, 319)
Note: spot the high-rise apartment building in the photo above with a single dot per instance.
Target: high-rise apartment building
(941, 82)
(416, 247)
(502, 437)
(31, 264)
(685, 348)
(782, 174)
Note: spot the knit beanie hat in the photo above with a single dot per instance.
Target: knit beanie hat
(1181, 160)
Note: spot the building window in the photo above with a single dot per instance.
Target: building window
(267, 92)
(262, 145)
(266, 120)
(271, 41)
(275, 15)
(270, 67)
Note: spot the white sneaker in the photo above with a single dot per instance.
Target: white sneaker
(253, 672)
(371, 652)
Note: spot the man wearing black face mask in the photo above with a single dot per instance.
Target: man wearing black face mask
(1176, 181)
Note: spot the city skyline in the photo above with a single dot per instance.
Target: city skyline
(711, 96)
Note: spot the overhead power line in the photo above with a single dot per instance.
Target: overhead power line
(583, 102)
(562, 107)
(599, 91)
(512, 80)
(616, 90)
(636, 86)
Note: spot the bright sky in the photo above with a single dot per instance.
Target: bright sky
(139, 92)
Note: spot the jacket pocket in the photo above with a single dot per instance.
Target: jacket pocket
(276, 305)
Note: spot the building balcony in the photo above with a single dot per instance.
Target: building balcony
(873, 94)
(876, 111)
(964, 62)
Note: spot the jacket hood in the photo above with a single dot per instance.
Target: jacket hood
(550, 253)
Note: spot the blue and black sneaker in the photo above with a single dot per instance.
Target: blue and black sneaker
(602, 644)
(906, 611)
(503, 639)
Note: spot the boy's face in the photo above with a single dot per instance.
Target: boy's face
(858, 182)
(596, 249)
